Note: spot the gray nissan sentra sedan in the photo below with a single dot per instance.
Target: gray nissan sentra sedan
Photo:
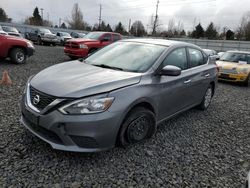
(118, 95)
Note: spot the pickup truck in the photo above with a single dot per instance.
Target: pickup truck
(82, 47)
(42, 36)
(15, 48)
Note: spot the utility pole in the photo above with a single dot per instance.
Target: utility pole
(156, 18)
(48, 16)
(60, 19)
(100, 16)
(42, 13)
(129, 25)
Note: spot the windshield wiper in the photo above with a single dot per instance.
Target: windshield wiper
(108, 67)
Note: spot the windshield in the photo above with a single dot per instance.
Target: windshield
(81, 35)
(127, 56)
(10, 29)
(235, 57)
(93, 35)
(65, 34)
(45, 31)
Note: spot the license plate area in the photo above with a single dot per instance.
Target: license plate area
(224, 75)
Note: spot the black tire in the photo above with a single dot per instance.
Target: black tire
(92, 50)
(206, 101)
(39, 41)
(18, 55)
(141, 120)
(247, 82)
(73, 57)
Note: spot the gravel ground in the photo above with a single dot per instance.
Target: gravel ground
(195, 149)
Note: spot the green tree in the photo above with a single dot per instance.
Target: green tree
(3, 15)
(229, 35)
(109, 28)
(119, 28)
(63, 25)
(211, 32)
(36, 19)
(138, 29)
(183, 33)
(198, 32)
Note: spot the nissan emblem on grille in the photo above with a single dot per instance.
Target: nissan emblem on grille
(36, 99)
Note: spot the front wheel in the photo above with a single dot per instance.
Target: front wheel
(140, 124)
(206, 101)
(17, 55)
(247, 82)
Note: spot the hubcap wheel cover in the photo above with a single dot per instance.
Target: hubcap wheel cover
(138, 129)
(20, 57)
(208, 97)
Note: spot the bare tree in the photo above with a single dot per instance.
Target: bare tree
(76, 21)
(243, 31)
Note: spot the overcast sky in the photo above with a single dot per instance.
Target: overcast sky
(189, 12)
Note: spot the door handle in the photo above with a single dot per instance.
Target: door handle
(187, 81)
(207, 75)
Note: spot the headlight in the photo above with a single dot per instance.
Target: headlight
(30, 45)
(244, 71)
(83, 46)
(87, 106)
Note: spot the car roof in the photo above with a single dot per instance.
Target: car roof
(104, 32)
(162, 42)
(236, 51)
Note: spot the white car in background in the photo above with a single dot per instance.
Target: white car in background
(212, 53)
(63, 37)
(2, 32)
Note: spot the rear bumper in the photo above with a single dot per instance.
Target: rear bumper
(76, 52)
(85, 133)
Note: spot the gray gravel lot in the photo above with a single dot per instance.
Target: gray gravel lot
(195, 149)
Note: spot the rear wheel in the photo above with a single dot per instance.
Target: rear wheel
(140, 124)
(17, 55)
(206, 101)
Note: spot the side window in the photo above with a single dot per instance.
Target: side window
(177, 58)
(116, 37)
(196, 57)
(106, 37)
(58, 34)
(248, 58)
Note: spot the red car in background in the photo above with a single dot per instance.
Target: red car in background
(81, 47)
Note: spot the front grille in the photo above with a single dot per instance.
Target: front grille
(228, 71)
(72, 45)
(84, 142)
(44, 99)
(47, 134)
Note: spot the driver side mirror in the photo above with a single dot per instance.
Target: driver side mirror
(170, 70)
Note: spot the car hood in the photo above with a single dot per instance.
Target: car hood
(231, 65)
(49, 35)
(82, 40)
(12, 37)
(76, 79)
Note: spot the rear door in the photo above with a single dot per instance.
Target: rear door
(200, 75)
